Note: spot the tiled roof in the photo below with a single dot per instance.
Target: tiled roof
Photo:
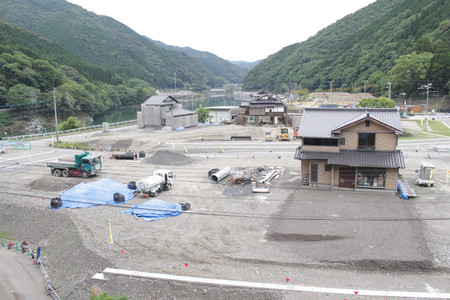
(181, 112)
(321, 122)
(161, 100)
(356, 158)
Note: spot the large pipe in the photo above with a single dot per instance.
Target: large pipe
(216, 177)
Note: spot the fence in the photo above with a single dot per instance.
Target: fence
(53, 133)
(24, 247)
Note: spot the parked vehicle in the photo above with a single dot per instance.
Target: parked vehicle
(283, 135)
(268, 137)
(162, 180)
(425, 174)
(85, 165)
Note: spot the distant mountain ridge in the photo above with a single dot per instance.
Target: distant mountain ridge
(361, 46)
(244, 64)
(210, 61)
(111, 45)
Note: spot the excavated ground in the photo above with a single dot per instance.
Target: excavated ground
(230, 232)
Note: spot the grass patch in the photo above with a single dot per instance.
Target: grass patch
(4, 235)
(67, 145)
(439, 127)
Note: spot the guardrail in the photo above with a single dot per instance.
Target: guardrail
(53, 133)
(48, 285)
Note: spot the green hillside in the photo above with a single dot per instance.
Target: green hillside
(364, 46)
(216, 65)
(107, 43)
(32, 66)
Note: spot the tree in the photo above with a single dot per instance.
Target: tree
(380, 102)
(203, 114)
(409, 70)
(21, 94)
(70, 123)
(440, 66)
(422, 45)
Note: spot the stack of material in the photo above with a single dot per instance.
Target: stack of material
(274, 173)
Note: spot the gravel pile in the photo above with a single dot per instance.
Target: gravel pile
(168, 158)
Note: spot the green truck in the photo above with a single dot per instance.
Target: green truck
(85, 165)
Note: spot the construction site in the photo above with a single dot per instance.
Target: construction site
(241, 223)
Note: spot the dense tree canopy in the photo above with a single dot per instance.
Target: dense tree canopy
(409, 70)
(380, 102)
(361, 49)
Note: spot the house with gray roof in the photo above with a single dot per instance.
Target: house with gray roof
(165, 110)
(263, 107)
(350, 147)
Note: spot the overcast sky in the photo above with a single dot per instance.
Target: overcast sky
(245, 30)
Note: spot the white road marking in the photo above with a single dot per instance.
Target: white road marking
(27, 156)
(271, 286)
(32, 162)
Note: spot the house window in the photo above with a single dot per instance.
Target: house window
(328, 167)
(366, 141)
(371, 177)
(342, 141)
(367, 123)
(320, 142)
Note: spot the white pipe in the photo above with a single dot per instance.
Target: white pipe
(216, 177)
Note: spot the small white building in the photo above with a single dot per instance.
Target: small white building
(165, 110)
(219, 114)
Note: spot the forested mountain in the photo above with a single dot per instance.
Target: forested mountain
(245, 65)
(32, 66)
(403, 41)
(215, 64)
(107, 43)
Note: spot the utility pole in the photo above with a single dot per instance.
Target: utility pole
(330, 82)
(389, 84)
(365, 81)
(175, 75)
(56, 116)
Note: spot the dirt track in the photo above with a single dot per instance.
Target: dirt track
(230, 233)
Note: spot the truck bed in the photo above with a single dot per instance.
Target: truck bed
(60, 165)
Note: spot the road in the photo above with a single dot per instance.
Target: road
(19, 278)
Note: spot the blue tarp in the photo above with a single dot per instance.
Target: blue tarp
(155, 210)
(99, 192)
(401, 190)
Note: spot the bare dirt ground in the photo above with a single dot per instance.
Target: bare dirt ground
(337, 238)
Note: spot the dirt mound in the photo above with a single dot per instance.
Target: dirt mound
(169, 158)
(53, 184)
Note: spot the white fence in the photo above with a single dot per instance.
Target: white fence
(49, 134)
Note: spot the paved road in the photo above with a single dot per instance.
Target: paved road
(19, 278)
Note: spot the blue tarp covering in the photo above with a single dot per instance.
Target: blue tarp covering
(155, 210)
(401, 190)
(99, 192)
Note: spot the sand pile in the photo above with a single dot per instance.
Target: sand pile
(169, 158)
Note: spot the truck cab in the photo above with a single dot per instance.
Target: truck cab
(91, 164)
(166, 174)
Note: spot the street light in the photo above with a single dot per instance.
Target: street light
(426, 86)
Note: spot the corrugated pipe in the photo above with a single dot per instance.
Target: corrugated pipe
(216, 177)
